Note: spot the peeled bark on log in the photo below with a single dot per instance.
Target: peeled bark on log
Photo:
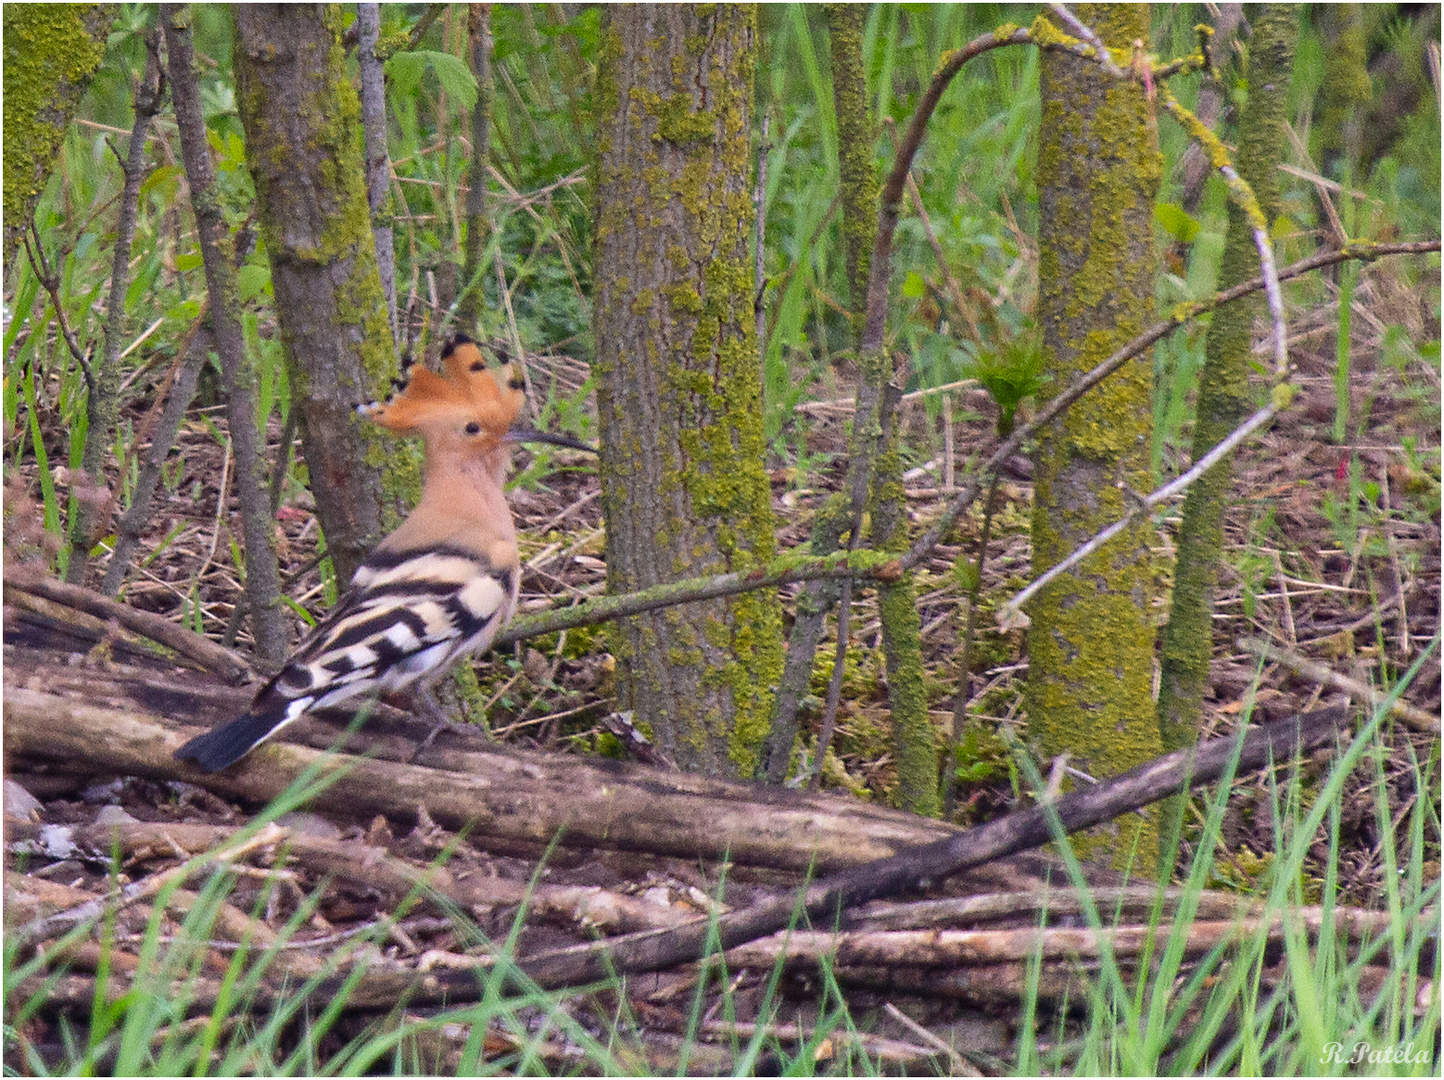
(952, 948)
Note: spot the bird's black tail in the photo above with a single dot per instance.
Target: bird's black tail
(227, 744)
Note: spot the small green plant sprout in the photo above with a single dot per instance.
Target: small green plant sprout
(1011, 374)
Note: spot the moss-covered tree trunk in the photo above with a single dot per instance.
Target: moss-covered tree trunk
(874, 471)
(678, 392)
(1223, 395)
(1091, 642)
(1347, 88)
(859, 196)
(51, 51)
(914, 741)
(855, 138)
(303, 147)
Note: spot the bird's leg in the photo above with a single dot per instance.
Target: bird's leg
(425, 703)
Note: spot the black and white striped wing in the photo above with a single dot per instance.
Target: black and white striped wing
(405, 619)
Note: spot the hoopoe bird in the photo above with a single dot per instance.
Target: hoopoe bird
(438, 588)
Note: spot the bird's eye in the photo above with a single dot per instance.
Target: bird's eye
(473, 428)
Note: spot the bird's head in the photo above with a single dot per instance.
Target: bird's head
(467, 410)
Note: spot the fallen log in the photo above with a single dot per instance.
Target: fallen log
(912, 868)
(957, 948)
(488, 791)
(598, 909)
(920, 866)
(226, 663)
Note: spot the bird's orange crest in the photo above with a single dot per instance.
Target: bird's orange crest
(467, 392)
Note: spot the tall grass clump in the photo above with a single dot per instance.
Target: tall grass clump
(974, 175)
(264, 1013)
(1276, 998)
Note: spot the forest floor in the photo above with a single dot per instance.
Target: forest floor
(1333, 556)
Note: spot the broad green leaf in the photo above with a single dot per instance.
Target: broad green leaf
(164, 177)
(253, 281)
(1176, 221)
(405, 70)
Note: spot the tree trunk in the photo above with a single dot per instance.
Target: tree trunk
(855, 138)
(678, 393)
(378, 157)
(1346, 90)
(301, 113)
(859, 196)
(1091, 642)
(51, 51)
(478, 225)
(914, 738)
(1223, 396)
(238, 374)
(102, 402)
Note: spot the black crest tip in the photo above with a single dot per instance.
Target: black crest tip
(455, 343)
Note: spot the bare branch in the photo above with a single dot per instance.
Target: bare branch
(1086, 32)
(1242, 194)
(50, 282)
(1182, 315)
(424, 24)
(103, 403)
(237, 370)
(1415, 718)
(1008, 617)
(880, 269)
(173, 397)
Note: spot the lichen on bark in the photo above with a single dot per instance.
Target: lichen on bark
(915, 741)
(683, 485)
(1223, 397)
(1092, 634)
(302, 116)
(51, 52)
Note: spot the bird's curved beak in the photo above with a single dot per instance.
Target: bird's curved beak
(525, 435)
